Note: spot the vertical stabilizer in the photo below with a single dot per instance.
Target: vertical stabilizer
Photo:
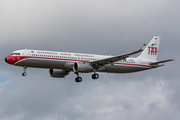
(151, 50)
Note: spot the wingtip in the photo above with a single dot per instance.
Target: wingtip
(171, 59)
(143, 47)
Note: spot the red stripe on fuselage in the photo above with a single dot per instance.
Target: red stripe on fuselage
(139, 65)
(15, 59)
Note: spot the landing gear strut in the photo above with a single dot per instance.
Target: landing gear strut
(78, 79)
(24, 73)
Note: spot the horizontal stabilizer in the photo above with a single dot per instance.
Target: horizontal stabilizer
(156, 63)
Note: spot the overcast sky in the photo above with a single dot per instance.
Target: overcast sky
(89, 26)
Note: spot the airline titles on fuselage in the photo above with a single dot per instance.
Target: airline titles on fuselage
(70, 56)
(65, 54)
(62, 55)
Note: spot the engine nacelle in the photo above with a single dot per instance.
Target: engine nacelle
(58, 73)
(82, 67)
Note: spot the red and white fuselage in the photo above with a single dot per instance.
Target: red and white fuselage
(61, 63)
(63, 60)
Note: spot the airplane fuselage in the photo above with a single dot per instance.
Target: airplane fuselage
(65, 61)
(61, 63)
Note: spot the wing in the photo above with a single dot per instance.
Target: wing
(100, 63)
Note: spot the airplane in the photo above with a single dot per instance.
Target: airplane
(61, 63)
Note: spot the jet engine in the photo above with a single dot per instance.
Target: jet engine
(58, 73)
(82, 67)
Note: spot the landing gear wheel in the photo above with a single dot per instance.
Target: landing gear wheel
(95, 76)
(78, 79)
(24, 74)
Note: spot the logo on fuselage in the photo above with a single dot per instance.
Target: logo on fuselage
(152, 50)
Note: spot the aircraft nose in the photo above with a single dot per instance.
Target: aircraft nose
(6, 59)
(9, 60)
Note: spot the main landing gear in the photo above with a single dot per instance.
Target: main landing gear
(95, 76)
(24, 73)
(79, 79)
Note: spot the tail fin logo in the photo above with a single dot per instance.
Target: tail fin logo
(152, 50)
(153, 44)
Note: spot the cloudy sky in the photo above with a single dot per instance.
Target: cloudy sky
(89, 26)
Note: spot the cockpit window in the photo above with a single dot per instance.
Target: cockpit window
(15, 54)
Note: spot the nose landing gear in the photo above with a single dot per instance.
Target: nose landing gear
(24, 73)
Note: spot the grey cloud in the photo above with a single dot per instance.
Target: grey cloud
(41, 98)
